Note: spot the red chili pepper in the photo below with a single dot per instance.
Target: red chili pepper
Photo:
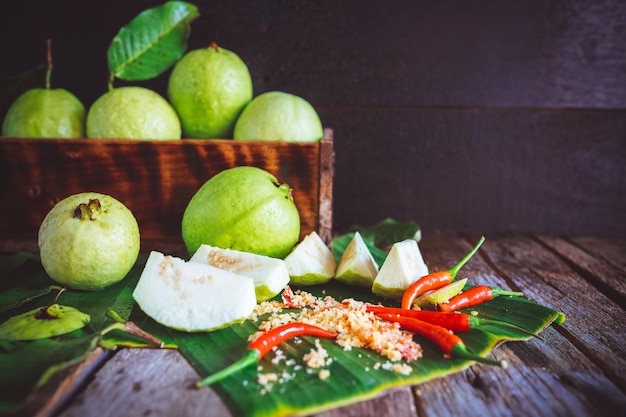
(474, 296)
(448, 342)
(261, 345)
(435, 280)
(456, 322)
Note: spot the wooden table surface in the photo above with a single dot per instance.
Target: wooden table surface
(576, 369)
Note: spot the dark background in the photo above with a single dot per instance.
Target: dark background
(492, 117)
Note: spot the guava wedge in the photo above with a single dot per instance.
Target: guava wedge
(311, 262)
(440, 295)
(43, 322)
(192, 296)
(403, 265)
(357, 265)
(270, 275)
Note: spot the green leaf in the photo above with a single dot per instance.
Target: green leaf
(152, 42)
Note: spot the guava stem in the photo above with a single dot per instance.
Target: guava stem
(49, 58)
(61, 290)
(214, 45)
(131, 328)
(89, 211)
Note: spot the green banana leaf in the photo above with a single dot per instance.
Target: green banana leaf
(152, 42)
(356, 374)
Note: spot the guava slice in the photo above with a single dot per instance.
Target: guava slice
(440, 295)
(403, 265)
(192, 296)
(311, 262)
(357, 265)
(270, 275)
(44, 322)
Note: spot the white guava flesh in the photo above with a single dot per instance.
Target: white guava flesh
(270, 275)
(404, 264)
(357, 265)
(311, 262)
(191, 296)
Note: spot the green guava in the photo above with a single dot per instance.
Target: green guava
(132, 113)
(208, 88)
(279, 116)
(45, 113)
(243, 208)
(88, 241)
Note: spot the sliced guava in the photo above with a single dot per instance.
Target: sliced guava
(192, 296)
(311, 262)
(270, 275)
(357, 265)
(440, 295)
(403, 265)
(44, 322)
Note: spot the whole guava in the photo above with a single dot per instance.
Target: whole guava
(279, 116)
(45, 113)
(243, 208)
(132, 113)
(88, 241)
(208, 88)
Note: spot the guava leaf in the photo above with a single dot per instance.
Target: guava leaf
(152, 42)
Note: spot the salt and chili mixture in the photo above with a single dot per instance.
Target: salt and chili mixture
(355, 328)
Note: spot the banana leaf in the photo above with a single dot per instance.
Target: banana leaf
(355, 374)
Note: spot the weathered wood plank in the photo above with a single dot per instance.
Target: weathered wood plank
(395, 402)
(611, 250)
(594, 323)
(146, 382)
(594, 267)
(545, 378)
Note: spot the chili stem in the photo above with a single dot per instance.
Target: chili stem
(250, 358)
(462, 262)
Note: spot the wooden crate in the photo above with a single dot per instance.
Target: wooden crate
(154, 179)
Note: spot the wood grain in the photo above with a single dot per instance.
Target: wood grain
(155, 180)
